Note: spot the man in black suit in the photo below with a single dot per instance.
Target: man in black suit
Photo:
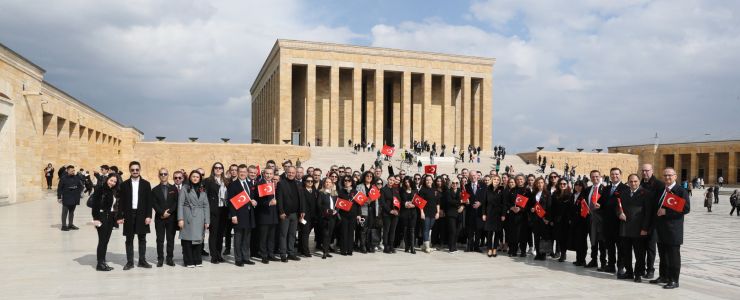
(669, 224)
(649, 182)
(267, 219)
(608, 204)
(135, 213)
(68, 194)
(289, 207)
(596, 235)
(473, 213)
(635, 216)
(164, 201)
(243, 218)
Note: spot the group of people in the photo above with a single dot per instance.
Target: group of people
(272, 215)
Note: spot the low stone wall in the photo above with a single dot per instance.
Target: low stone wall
(586, 161)
(189, 156)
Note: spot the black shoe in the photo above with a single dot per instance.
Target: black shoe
(601, 269)
(523, 254)
(323, 256)
(103, 267)
(393, 250)
(249, 262)
(540, 257)
(413, 250)
(638, 279)
(203, 253)
(386, 251)
(649, 275)
(284, 259)
(72, 227)
(65, 228)
(274, 258)
(128, 266)
(170, 262)
(265, 261)
(659, 280)
(239, 264)
(561, 259)
(626, 276)
(294, 258)
(592, 264)
(160, 262)
(215, 261)
(144, 264)
(671, 285)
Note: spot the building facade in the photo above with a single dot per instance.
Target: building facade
(585, 162)
(708, 160)
(323, 94)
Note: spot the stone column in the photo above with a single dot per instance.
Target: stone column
(334, 108)
(677, 165)
(731, 177)
(694, 168)
(310, 118)
(466, 110)
(379, 79)
(356, 105)
(405, 110)
(448, 115)
(283, 124)
(426, 108)
(712, 172)
(487, 112)
(475, 116)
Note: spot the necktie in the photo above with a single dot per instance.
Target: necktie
(244, 185)
(164, 188)
(614, 187)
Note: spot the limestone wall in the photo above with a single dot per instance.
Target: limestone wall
(189, 156)
(586, 161)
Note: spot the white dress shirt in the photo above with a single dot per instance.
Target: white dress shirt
(134, 193)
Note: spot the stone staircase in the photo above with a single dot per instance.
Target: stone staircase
(325, 157)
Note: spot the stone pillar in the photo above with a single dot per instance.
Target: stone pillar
(694, 168)
(731, 177)
(712, 172)
(487, 112)
(677, 165)
(310, 118)
(334, 108)
(356, 105)
(379, 79)
(475, 113)
(283, 124)
(448, 115)
(466, 109)
(426, 108)
(405, 110)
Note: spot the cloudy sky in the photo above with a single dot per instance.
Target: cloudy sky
(569, 74)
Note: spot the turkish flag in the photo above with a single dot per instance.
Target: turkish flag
(464, 197)
(266, 189)
(521, 201)
(584, 208)
(595, 196)
(388, 150)
(360, 198)
(344, 205)
(396, 203)
(259, 172)
(240, 200)
(674, 202)
(430, 169)
(374, 193)
(419, 201)
(539, 210)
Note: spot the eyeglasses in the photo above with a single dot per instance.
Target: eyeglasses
(163, 174)
(553, 176)
(563, 184)
(178, 178)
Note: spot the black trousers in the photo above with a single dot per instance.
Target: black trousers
(104, 232)
(451, 233)
(327, 229)
(267, 240)
(651, 250)
(216, 231)
(670, 261)
(48, 182)
(227, 233)
(304, 231)
(191, 253)
(130, 247)
(409, 234)
(389, 231)
(628, 245)
(346, 234)
(242, 237)
(493, 238)
(166, 229)
(68, 210)
(599, 249)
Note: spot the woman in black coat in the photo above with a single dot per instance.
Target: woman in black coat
(541, 226)
(493, 215)
(327, 199)
(310, 216)
(452, 208)
(561, 208)
(409, 213)
(517, 217)
(348, 219)
(104, 208)
(579, 225)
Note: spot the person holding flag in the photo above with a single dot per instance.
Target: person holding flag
(561, 208)
(430, 212)
(609, 203)
(241, 212)
(670, 213)
(596, 234)
(539, 208)
(389, 210)
(409, 213)
(370, 211)
(580, 217)
(267, 215)
(348, 218)
(634, 226)
(517, 199)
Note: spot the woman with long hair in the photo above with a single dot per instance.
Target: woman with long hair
(327, 201)
(348, 219)
(193, 218)
(494, 215)
(215, 186)
(452, 209)
(310, 216)
(541, 226)
(369, 211)
(409, 213)
(518, 217)
(430, 213)
(580, 224)
(561, 217)
(104, 209)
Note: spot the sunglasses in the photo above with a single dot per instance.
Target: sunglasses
(219, 168)
(134, 170)
(563, 184)
(178, 178)
(163, 174)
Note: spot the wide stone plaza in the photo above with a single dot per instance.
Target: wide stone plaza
(40, 261)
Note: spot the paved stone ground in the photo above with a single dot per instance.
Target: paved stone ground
(38, 261)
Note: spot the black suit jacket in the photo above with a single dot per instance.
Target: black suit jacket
(670, 226)
(144, 209)
(266, 214)
(160, 203)
(386, 200)
(636, 208)
(244, 215)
